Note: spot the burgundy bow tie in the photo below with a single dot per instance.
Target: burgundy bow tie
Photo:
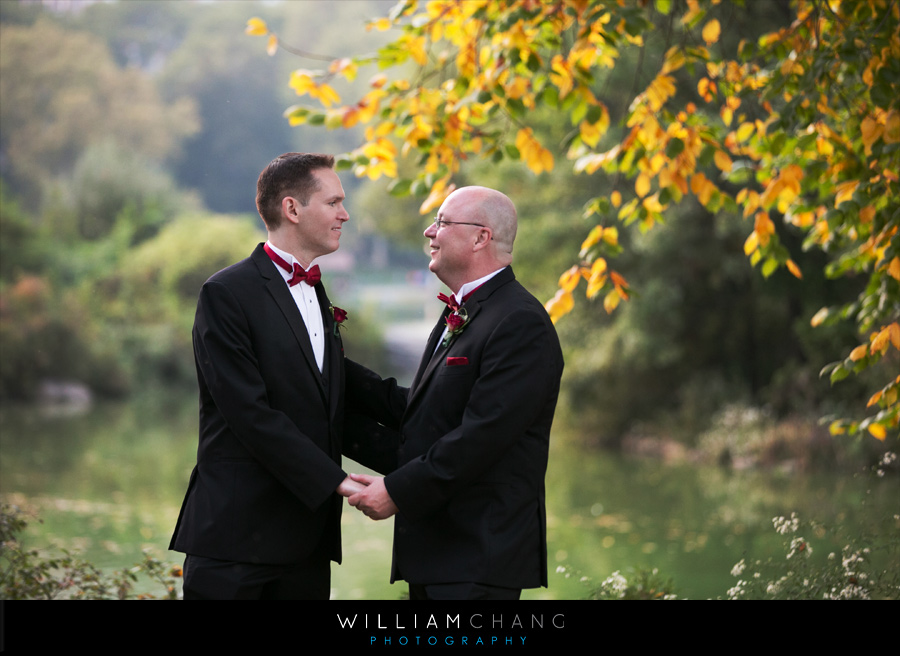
(450, 301)
(311, 277)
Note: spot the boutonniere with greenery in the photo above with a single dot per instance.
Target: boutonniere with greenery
(339, 316)
(455, 324)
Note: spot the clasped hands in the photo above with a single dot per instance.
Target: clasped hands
(368, 495)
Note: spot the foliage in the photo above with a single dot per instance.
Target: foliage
(849, 574)
(29, 574)
(109, 184)
(45, 333)
(798, 130)
(61, 92)
(645, 585)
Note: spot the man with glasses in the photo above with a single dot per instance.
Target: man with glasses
(472, 431)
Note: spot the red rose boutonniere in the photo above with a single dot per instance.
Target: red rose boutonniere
(339, 316)
(455, 324)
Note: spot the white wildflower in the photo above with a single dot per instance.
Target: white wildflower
(784, 525)
(615, 584)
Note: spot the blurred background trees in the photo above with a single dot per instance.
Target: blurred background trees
(131, 135)
(785, 114)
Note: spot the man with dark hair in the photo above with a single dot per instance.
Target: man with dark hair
(261, 517)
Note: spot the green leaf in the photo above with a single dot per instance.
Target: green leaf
(400, 187)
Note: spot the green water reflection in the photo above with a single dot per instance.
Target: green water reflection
(109, 483)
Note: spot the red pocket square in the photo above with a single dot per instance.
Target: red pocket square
(455, 362)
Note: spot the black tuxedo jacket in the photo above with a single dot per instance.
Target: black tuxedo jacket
(268, 462)
(473, 432)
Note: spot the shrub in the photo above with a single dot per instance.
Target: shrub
(29, 574)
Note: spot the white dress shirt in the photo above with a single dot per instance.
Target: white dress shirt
(308, 304)
(461, 294)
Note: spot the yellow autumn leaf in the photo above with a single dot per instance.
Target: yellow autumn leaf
(611, 236)
(615, 198)
(702, 187)
(845, 191)
(594, 236)
(560, 305)
(570, 279)
(439, 191)
(272, 45)
(674, 59)
(764, 227)
(597, 278)
(745, 131)
(722, 160)
(642, 185)
(880, 341)
(894, 268)
(536, 157)
(751, 243)
(727, 114)
(819, 317)
(652, 204)
(301, 82)
(706, 88)
(620, 283)
(711, 31)
(878, 431)
(256, 27)
(561, 76)
(590, 133)
(344, 66)
(859, 352)
(325, 94)
(892, 127)
(382, 25)
(794, 269)
(871, 131)
(894, 333)
(660, 90)
(611, 301)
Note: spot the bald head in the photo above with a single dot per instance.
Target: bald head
(474, 237)
(495, 210)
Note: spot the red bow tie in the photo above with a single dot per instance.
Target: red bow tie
(312, 277)
(450, 301)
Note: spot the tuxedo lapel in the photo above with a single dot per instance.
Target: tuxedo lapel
(333, 350)
(429, 354)
(282, 296)
(434, 354)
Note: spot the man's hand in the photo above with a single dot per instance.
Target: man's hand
(373, 501)
(349, 487)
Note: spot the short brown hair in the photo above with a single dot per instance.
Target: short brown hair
(290, 174)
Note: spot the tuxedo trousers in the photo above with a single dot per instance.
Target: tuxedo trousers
(468, 591)
(209, 579)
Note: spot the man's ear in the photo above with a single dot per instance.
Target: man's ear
(485, 236)
(291, 209)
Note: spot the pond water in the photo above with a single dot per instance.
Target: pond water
(108, 483)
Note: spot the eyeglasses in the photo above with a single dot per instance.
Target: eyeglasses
(438, 222)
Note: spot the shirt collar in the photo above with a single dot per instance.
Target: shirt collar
(471, 286)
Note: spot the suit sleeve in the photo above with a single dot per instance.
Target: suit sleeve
(228, 365)
(518, 383)
(373, 410)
